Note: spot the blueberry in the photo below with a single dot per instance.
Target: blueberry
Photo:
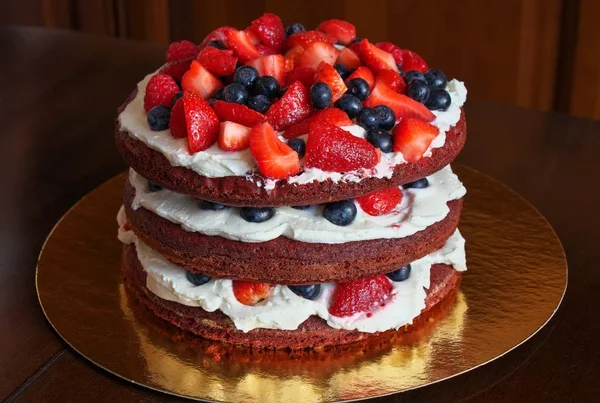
(304, 207)
(420, 184)
(349, 104)
(176, 98)
(158, 118)
(399, 275)
(380, 139)
(342, 70)
(215, 43)
(414, 75)
(218, 95)
(418, 90)
(310, 292)
(208, 205)
(340, 213)
(387, 118)
(320, 95)
(154, 187)
(257, 214)
(439, 100)
(197, 278)
(246, 75)
(267, 86)
(297, 145)
(235, 93)
(400, 70)
(368, 118)
(436, 79)
(259, 103)
(359, 88)
(292, 29)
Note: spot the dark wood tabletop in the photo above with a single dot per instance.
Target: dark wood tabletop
(59, 92)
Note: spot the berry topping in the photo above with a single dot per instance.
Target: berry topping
(154, 187)
(177, 124)
(334, 116)
(349, 58)
(305, 38)
(297, 145)
(218, 34)
(274, 158)
(368, 119)
(218, 95)
(160, 90)
(392, 79)
(158, 118)
(375, 58)
(293, 107)
(381, 202)
(201, 121)
(393, 50)
(242, 46)
(364, 73)
(270, 31)
(412, 75)
(401, 274)
(333, 149)
(412, 137)
(418, 90)
(200, 81)
(403, 106)
(359, 88)
(320, 95)
(317, 53)
(218, 62)
(259, 103)
(380, 139)
(329, 75)
(343, 31)
(310, 292)
(292, 29)
(235, 93)
(257, 214)
(197, 278)
(413, 61)
(265, 50)
(436, 79)
(340, 213)
(350, 105)
(292, 57)
(215, 43)
(419, 184)
(342, 70)
(176, 69)
(273, 66)
(306, 75)
(439, 100)
(181, 50)
(363, 295)
(387, 119)
(252, 35)
(251, 293)
(233, 136)
(241, 114)
(247, 76)
(176, 98)
(267, 86)
(208, 205)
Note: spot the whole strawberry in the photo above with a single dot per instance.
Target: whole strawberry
(364, 295)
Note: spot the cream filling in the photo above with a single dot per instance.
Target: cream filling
(284, 309)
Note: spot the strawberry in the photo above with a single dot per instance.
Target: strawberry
(251, 293)
(201, 121)
(403, 106)
(228, 111)
(327, 74)
(395, 51)
(318, 52)
(305, 38)
(375, 58)
(381, 202)
(177, 123)
(343, 31)
(392, 79)
(274, 158)
(333, 149)
(181, 51)
(219, 62)
(252, 35)
(239, 42)
(176, 69)
(355, 47)
(265, 50)
(273, 65)
(233, 136)
(349, 58)
(413, 61)
(160, 90)
(412, 137)
(216, 35)
(199, 81)
(292, 57)
(363, 295)
(333, 116)
(306, 75)
(293, 107)
(364, 73)
(270, 30)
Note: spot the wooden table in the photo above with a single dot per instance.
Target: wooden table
(58, 96)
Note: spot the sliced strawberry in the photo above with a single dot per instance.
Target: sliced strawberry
(306, 75)
(305, 38)
(343, 31)
(333, 149)
(333, 116)
(292, 57)
(265, 50)
(241, 45)
(392, 79)
(395, 51)
(176, 69)
(219, 62)
(381, 202)
(327, 74)
(274, 158)
(216, 35)
(412, 137)
(228, 111)
(273, 65)
(403, 106)
(364, 295)
(293, 107)
(233, 136)
(160, 90)
(177, 123)
(413, 61)
(181, 51)
(364, 73)
(375, 58)
(355, 47)
(271, 31)
(318, 52)
(349, 58)
(251, 293)
(201, 121)
(252, 35)
(200, 81)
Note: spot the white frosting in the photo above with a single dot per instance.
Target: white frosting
(419, 209)
(284, 309)
(214, 162)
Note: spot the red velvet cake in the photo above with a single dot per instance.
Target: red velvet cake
(291, 188)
